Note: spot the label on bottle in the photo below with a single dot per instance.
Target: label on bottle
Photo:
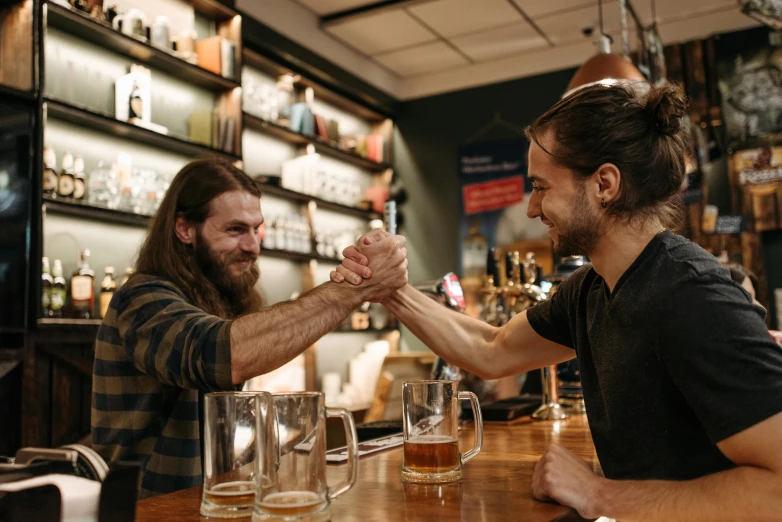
(81, 288)
(66, 186)
(49, 181)
(58, 298)
(46, 300)
(78, 188)
(105, 299)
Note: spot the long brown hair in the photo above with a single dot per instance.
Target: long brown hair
(163, 254)
(640, 131)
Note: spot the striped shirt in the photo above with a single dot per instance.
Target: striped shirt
(153, 354)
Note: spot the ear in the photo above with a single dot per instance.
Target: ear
(608, 180)
(185, 230)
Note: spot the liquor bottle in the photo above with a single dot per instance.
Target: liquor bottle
(83, 289)
(135, 103)
(58, 290)
(46, 289)
(128, 273)
(66, 182)
(107, 288)
(78, 178)
(49, 172)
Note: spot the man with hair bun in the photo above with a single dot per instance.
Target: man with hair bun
(682, 383)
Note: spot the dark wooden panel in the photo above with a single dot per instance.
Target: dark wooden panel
(673, 63)
(695, 76)
(66, 404)
(36, 396)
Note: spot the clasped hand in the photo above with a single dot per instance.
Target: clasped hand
(377, 262)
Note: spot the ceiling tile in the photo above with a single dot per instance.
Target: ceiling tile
(422, 59)
(537, 8)
(671, 10)
(704, 26)
(567, 27)
(382, 32)
(325, 7)
(496, 43)
(455, 17)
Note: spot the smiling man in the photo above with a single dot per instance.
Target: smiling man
(682, 382)
(190, 321)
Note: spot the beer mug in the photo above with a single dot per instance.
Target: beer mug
(297, 489)
(236, 425)
(431, 431)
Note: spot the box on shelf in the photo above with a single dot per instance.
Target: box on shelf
(213, 130)
(218, 55)
(300, 174)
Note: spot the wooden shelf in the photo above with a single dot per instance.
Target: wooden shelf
(85, 27)
(295, 138)
(103, 122)
(292, 195)
(85, 210)
(296, 256)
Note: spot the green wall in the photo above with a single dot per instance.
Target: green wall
(427, 135)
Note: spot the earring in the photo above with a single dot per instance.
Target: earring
(603, 203)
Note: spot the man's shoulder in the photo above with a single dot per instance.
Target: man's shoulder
(681, 261)
(146, 288)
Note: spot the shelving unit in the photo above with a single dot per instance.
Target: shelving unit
(82, 25)
(103, 122)
(278, 131)
(87, 211)
(291, 195)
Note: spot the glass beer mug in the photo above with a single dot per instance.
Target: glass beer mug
(431, 431)
(296, 488)
(236, 424)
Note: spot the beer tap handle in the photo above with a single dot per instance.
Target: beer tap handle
(492, 270)
(531, 268)
(508, 268)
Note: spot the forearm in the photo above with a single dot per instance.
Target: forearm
(264, 341)
(712, 498)
(457, 338)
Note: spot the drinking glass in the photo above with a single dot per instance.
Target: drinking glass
(296, 489)
(430, 412)
(236, 426)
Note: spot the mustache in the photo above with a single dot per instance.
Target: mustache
(242, 257)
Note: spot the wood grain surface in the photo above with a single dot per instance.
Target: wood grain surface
(496, 483)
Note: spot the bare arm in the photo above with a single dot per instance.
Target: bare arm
(469, 343)
(265, 340)
(751, 491)
(479, 348)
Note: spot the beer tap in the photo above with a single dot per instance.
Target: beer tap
(489, 290)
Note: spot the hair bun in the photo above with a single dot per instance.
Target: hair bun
(666, 105)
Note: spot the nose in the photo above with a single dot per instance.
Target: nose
(533, 207)
(251, 243)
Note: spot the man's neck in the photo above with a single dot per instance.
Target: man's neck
(619, 247)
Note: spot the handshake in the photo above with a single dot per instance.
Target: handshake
(376, 264)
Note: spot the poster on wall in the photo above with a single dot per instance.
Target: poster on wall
(756, 177)
(492, 177)
(750, 81)
(749, 67)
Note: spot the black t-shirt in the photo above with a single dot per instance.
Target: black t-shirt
(676, 359)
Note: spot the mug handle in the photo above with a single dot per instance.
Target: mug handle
(478, 421)
(115, 23)
(352, 444)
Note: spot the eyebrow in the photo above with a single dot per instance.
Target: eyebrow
(535, 179)
(240, 223)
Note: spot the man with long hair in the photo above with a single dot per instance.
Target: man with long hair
(190, 321)
(682, 382)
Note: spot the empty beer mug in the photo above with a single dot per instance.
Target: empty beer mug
(431, 431)
(236, 424)
(297, 490)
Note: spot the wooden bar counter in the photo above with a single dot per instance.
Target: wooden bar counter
(496, 484)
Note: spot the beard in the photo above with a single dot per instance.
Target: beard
(236, 291)
(578, 234)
